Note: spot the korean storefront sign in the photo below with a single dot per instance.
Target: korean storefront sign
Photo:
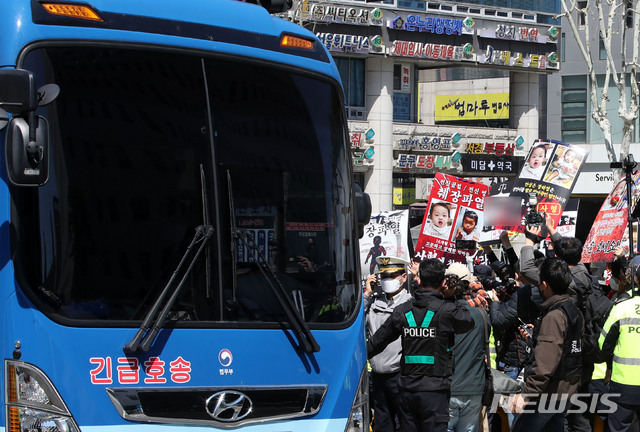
(405, 77)
(417, 163)
(345, 43)
(424, 144)
(485, 164)
(344, 14)
(518, 59)
(516, 33)
(486, 106)
(490, 148)
(402, 106)
(429, 24)
(430, 51)
(357, 140)
(404, 195)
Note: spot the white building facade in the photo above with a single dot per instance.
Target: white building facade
(434, 87)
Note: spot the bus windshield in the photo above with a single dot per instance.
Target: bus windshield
(147, 145)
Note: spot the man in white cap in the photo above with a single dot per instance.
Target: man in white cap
(469, 352)
(385, 367)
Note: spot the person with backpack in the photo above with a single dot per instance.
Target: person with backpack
(594, 305)
(592, 302)
(557, 360)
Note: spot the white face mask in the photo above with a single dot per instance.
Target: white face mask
(390, 285)
(613, 284)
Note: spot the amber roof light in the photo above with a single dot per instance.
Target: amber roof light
(296, 42)
(72, 10)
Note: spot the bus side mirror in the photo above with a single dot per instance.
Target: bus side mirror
(27, 137)
(27, 161)
(363, 209)
(18, 91)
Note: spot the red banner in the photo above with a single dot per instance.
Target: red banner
(610, 229)
(454, 212)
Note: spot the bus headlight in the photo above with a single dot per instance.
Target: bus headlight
(32, 401)
(359, 416)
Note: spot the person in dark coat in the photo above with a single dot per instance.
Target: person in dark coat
(557, 362)
(427, 326)
(469, 352)
(513, 352)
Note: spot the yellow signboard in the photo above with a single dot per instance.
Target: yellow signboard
(488, 106)
(402, 196)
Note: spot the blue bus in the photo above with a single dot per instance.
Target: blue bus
(179, 222)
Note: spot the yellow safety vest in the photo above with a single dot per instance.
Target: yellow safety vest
(625, 367)
(599, 371)
(492, 351)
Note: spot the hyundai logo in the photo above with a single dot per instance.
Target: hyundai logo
(228, 406)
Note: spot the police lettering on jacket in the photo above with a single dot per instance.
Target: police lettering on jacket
(420, 332)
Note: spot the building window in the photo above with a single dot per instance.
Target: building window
(397, 77)
(402, 77)
(574, 109)
(602, 49)
(562, 43)
(630, 12)
(582, 14)
(352, 73)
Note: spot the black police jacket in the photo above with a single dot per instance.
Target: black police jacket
(426, 363)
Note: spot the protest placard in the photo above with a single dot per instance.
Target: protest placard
(610, 228)
(385, 235)
(453, 219)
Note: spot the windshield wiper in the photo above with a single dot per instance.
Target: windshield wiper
(305, 338)
(142, 340)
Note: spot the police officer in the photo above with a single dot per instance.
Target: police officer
(385, 367)
(619, 342)
(427, 325)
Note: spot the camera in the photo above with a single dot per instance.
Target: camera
(506, 290)
(466, 244)
(491, 283)
(452, 281)
(502, 270)
(629, 164)
(532, 217)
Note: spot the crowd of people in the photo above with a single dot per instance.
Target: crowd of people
(568, 342)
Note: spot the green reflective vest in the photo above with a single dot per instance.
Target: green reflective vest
(625, 318)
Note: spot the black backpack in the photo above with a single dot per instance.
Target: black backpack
(595, 307)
